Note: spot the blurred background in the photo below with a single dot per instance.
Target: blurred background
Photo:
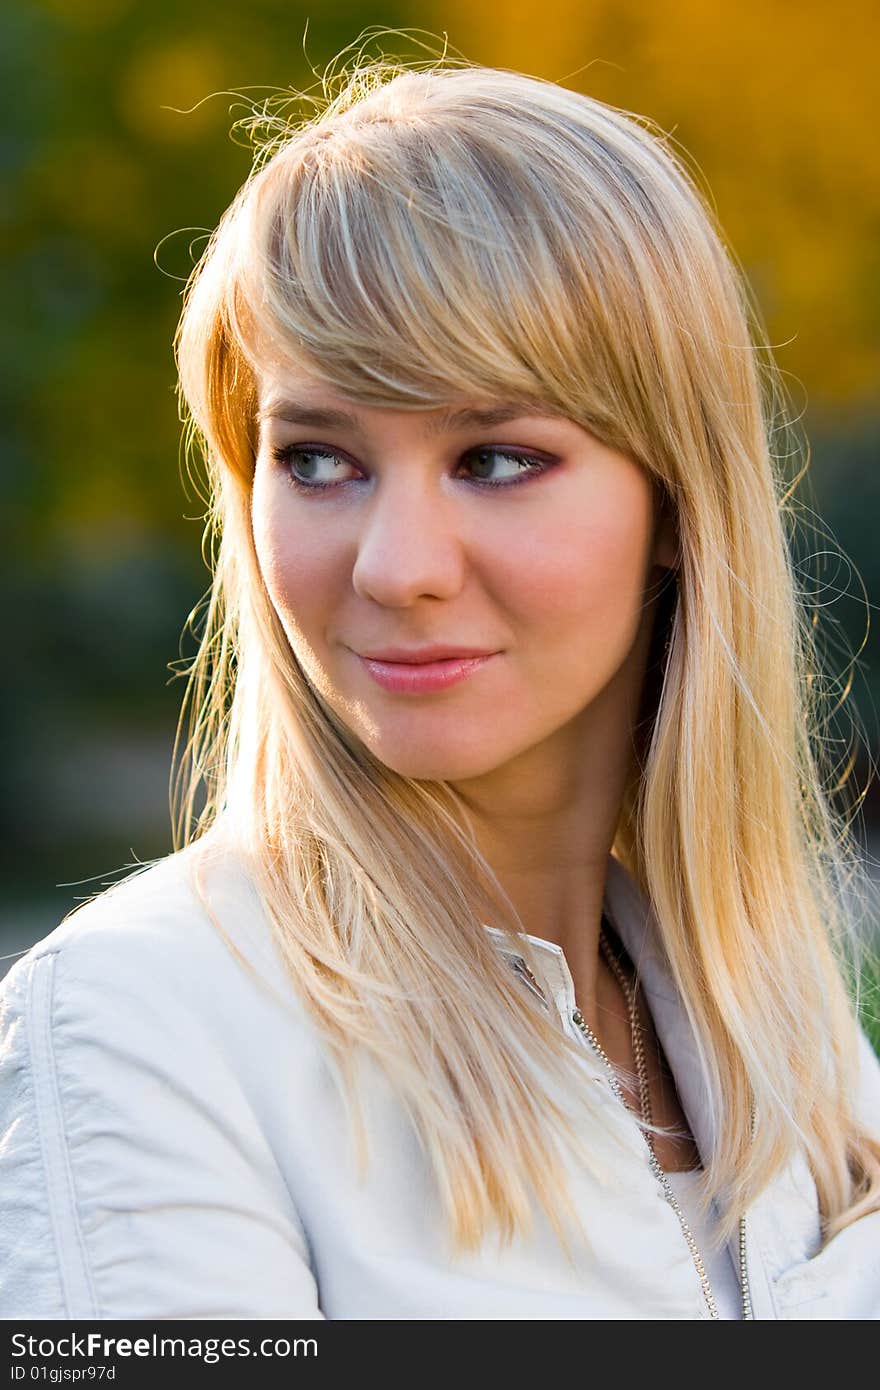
(118, 158)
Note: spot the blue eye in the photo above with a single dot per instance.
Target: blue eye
(302, 465)
(525, 466)
(308, 462)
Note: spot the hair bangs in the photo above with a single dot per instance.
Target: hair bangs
(407, 271)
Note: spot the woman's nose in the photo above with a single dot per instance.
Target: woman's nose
(410, 545)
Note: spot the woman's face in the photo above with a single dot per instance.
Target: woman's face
(522, 538)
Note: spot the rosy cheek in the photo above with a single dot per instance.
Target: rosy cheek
(291, 555)
(558, 567)
(295, 573)
(576, 570)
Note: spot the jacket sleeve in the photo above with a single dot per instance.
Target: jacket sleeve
(135, 1181)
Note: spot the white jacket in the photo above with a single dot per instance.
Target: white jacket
(172, 1145)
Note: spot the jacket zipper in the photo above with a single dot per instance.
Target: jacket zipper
(578, 1019)
(747, 1312)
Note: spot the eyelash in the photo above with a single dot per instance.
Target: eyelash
(283, 455)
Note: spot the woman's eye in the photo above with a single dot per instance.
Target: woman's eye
(310, 467)
(518, 465)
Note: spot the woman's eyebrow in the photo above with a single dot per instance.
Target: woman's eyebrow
(466, 417)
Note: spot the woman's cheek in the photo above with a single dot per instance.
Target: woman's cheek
(294, 562)
(575, 566)
(581, 598)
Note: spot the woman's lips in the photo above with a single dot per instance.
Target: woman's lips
(410, 678)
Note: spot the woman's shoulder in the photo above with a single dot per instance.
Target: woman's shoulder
(186, 931)
(134, 1083)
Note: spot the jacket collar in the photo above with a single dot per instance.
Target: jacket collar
(784, 1218)
(634, 921)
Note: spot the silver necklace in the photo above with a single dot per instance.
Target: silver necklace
(646, 1115)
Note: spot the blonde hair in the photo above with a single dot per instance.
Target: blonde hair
(442, 230)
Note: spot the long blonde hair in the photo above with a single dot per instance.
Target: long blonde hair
(446, 229)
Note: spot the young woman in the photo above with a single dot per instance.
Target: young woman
(503, 972)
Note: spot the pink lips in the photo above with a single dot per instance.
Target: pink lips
(420, 677)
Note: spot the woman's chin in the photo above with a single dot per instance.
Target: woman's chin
(432, 764)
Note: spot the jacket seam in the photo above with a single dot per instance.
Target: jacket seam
(76, 1281)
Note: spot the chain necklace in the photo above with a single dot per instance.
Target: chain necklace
(646, 1115)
